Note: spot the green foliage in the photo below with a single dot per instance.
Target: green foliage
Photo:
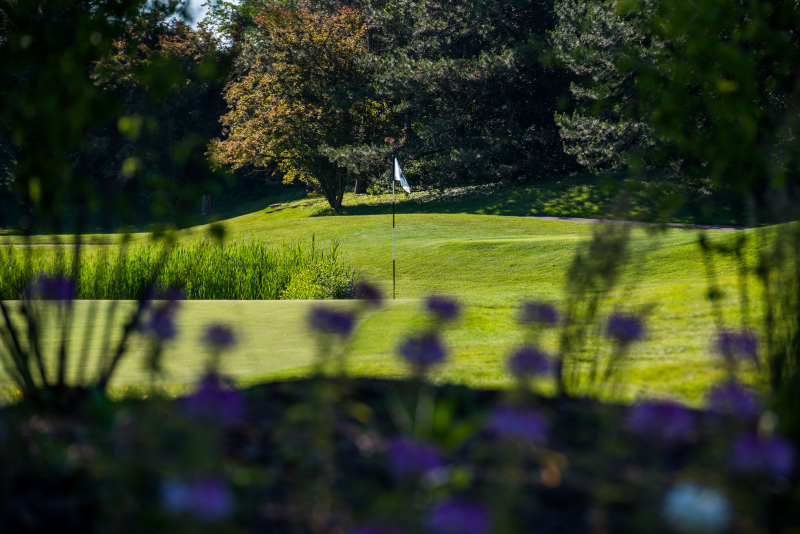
(304, 94)
(250, 270)
(325, 279)
(723, 90)
(596, 40)
(463, 93)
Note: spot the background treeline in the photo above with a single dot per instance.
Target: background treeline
(464, 92)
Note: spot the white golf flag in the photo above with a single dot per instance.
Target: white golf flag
(398, 175)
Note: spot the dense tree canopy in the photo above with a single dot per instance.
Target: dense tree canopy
(463, 92)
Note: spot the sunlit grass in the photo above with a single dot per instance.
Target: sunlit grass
(490, 263)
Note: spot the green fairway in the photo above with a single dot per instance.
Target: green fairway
(491, 264)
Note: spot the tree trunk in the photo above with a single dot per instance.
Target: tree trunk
(361, 186)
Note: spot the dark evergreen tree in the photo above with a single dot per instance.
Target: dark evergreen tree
(604, 45)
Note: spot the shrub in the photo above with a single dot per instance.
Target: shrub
(323, 280)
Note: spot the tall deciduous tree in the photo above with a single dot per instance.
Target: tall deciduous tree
(305, 93)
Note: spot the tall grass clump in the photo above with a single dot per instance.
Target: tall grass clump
(202, 270)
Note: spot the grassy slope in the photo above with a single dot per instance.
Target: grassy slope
(492, 263)
(489, 262)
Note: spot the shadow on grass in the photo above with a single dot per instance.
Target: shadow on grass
(583, 196)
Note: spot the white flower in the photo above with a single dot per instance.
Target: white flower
(692, 508)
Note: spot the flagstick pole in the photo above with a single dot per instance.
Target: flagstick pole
(394, 271)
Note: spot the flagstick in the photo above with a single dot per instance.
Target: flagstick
(394, 284)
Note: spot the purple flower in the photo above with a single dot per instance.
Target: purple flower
(625, 328)
(162, 323)
(773, 456)
(528, 362)
(732, 344)
(219, 337)
(369, 293)
(408, 458)
(331, 321)
(423, 350)
(213, 401)
(53, 288)
(538, 312)
(517, 424)
(208, 499)
(455, 516)
(668, 422)
(372, 528)
(442, 308)
(733, 398)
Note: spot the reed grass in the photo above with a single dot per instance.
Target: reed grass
(203, 270)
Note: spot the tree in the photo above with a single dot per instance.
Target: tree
(468, 94)
(165, 121)
(472, 96)
(306, 92)
(596, 39)
(723, 90)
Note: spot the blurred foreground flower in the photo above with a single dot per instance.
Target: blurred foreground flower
(443, 308)
(331, 321)
(691, 508)
(423, 350)
(625, 328)
(455, 516)
(161, 322)
(528, 362)
(408, 458)
(768, 456)
(733, 345)
(207, 499)
(219, 337)
(515, 424)
(538, 313)
(668, 422)
(733, 398)
(369, 293)
(52, 288)
(214, 401)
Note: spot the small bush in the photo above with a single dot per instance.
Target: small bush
(323, 280)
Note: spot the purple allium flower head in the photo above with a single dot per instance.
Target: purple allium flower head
(510, 423)
(207, 499)
(455, 516)
(53, 288)
(214, 401)
(442, 308)
(219, 337)
(733, 398)
(422, 350)
(625, 328)
(374, 528)
(331, 321)
(162, 323)
(528, 362)
(538, 312)
(369, 293)
(732, 345)
(668, 422)
(770, 456)
(409, 458)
